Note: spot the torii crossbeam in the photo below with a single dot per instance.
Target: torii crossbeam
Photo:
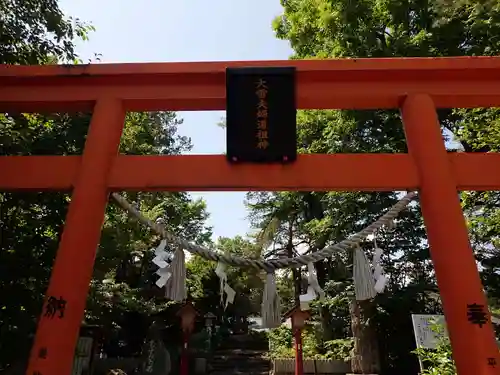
(416, 85)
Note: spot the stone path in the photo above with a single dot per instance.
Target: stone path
(240, 355)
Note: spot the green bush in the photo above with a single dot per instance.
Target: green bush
(281, 345)
(339, 349)
(438, 361)
(280, 342)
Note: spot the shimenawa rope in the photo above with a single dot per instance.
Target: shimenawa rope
(272, 264)
(363, 278)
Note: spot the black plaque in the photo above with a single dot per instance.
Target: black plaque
(261, 115)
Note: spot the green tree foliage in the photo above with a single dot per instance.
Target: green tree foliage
(324, 218)
(122, 295)
(124, 277)
(374, 28)
(478, 131)
(281, 344)
(204, 285)
(36, 32)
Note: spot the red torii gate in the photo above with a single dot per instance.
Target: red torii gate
(416, 85)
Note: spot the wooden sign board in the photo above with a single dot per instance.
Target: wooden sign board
(261, 115)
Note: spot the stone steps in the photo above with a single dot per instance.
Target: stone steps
(240, 356)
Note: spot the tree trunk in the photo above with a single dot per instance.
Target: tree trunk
(315, 212)
(296, 273)
(297, 284)
(365, 359)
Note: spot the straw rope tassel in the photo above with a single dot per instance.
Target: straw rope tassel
(364, 284)
(220, 271)
(378, 271)
(271, 306)
(175, 289)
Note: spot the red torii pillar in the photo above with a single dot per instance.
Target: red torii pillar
(57, 334)
(456, 270)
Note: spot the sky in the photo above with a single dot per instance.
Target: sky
(186, 30)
